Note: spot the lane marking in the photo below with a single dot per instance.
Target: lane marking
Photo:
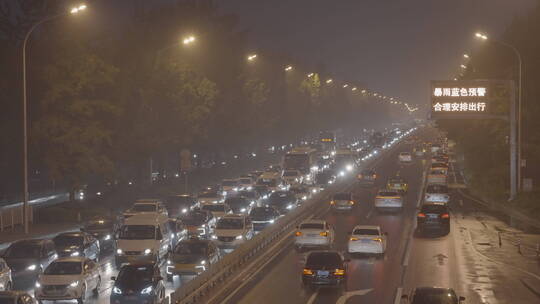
(313, 297)
(399, 293)
(343, 299)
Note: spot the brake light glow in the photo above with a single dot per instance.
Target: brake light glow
(353, 238)
(339, 272)
(351, 202)
(421, 214)
(308, 271)
(445, 215)
(377, 240)
(324, 233)
(298, 233)
(332, 202)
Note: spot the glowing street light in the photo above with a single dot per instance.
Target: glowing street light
(481, 36)
(466, 56)
(288, 68)
(345, 85)
(463, 66)
(329, 81)
(189, 40)
(252, 57)
(354, 89)
(363, 91)
(77, 9)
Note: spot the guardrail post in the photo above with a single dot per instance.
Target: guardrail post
(519, 246)
(500, 239)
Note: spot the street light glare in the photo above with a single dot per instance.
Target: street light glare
(481, 36)
(329, 81)
(354, 89)
(77, 9)
(189, 40)
(288, 68)
(252, 57)
(310, 75)
(466, 56)
(463, 66)
(345, 85)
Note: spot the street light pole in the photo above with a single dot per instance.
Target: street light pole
(25, 114)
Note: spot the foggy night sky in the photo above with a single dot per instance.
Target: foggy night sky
(392, 46)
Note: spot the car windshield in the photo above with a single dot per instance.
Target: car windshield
(437, 189)
(229, 183)
(262, 211)
(64, 268)
(144, 208)
(137, 232)
(214, 207)
(178, 199)
(230, 223)
(318, 226)
(366, 231)
(193, 218)
(68, 240)
(395, 181)
(327, 259)
(280, 197)
(99, 225)
(342, 196)
(133, 276)
(23, 250)
(191, 248)
(290, 173)
(435, 297)
(434, 208)
(388, 193)
(248, 194)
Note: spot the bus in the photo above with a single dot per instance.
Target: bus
(303, 159)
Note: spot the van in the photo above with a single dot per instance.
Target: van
(272, 180)
(143, 237)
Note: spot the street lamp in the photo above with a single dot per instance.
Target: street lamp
(73, 11)
(189, 40)
(329, 81)
(466, 56)
(354, 89)
(310, 75)
(251, 57)
(345, 86)
(288, 68)
(463, 66)
(520, 79)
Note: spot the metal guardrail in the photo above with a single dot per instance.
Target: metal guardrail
(195, 289)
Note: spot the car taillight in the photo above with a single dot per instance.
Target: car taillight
(332, 202)
(377, 239)
(351, 202)
(324, 233)
(339, 272)
(445, 215)
(421, 214)
(353, 238)
(298, 233)
(307, 271)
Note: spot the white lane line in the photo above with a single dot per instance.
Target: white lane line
(349, 294)
(369, 213)
(399, 293)
(313, 297)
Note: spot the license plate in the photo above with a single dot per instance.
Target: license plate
(397, 185)
(432, 216)
(323, 272)
(312, 234)
(366, 240)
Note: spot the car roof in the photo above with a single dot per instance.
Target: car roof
(367, 227)
(312, 221)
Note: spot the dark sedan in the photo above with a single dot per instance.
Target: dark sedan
(283, 201)
(433, 217)
(28, 258)
(433, 295)
(77, 244)
(324, 268)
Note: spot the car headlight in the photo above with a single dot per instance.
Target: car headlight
(75, 253)
(38, 285)
(107, 237)
(243, 210)
(119, 251)
(271, 221)
(289, 207)
(349, 167)
(169, 262)
(147, 290)
(214, 237)
(239, 237)
(74, 284)
(304, 197)
(147, 251)
(184, 210)
(203, 262)
(31, 267)
(116, 290)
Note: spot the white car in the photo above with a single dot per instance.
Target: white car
(6, 282)
(209, 197)
(436, 193)
(229, 186)
(314, 233)
(292, 177)
(245, 183)
(405, 157)
(232, 230)
(437, 176)
(367, 239)
(388, 200)
(218, 210)
(72, 278)
(147, 206)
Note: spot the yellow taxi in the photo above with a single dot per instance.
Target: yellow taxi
(397, 184)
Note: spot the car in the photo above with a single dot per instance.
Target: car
(28, 258)
(16, 297)
(252, 195)
(292, 177)
(283, 201)
(191, 257)
(433, 295)
(262, 190)
(229, 186)
(261, 217)
(245, 182)
(313, 233)
(420, 151)
(239, 204)
(405, 157)
(218, 210)
(232, 230)
(367, 177)
(104, 230)
(439, 165)
(70, 278)
(437, 176)
(272, 180)
(77, 243)
(435, 148)
(324, 269)
(147, 206)
(433, 217)
(178, 203)
(366, 239)
(436, 193)
(397, 184)
(440, 158)
(6, 283)
(143, 237)
(388, 200)
(302, 193)
(256, 173)
(342, 201)
(197, 222)
(323, 179)
(209, 197)
(138, 283)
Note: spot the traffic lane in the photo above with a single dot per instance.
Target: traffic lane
(376, 279)
(276, 282)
